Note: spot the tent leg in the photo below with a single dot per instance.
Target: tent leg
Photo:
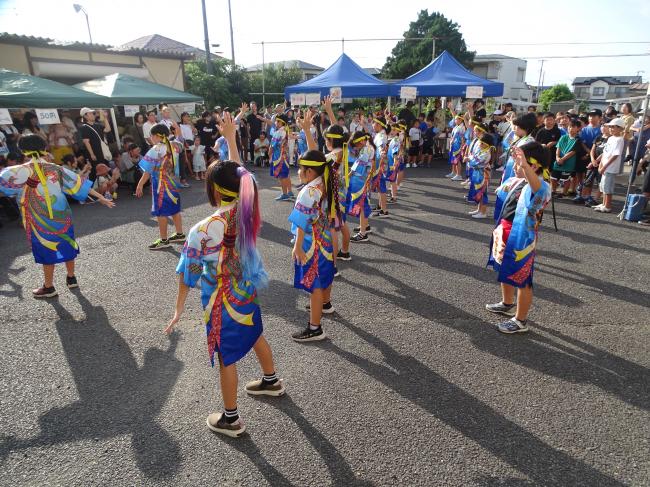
(117, 134)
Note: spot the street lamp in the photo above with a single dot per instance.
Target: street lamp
(78, 8)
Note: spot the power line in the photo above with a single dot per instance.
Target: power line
(556, 43)
(588, 56)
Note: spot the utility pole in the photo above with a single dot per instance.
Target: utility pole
(539, 81)
(263, 85)
(433, 48)
(232, 41)
(208, 61)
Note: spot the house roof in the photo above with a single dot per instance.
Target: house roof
(294, 63)
(373, 71)
(164, 44)
(485, 57)
(23, 40)
(612, 80)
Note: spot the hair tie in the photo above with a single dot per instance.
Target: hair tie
(242, 171)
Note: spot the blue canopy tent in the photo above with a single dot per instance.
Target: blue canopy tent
(346, 74)
(445, 76)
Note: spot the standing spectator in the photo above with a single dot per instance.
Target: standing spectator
(244, 136)
(30, 124)
(415, 135)
(355, 124)
(60, 141)
(591, 131)
(565, 158)
(610, 163)
(207, 131)
(549, 136)
(406, 114)
(92, 140)
(12, 135)
(146, 127)
(256, 123)
(136, 132)
(641, 136)
(428, 139)
(628, 117)
(198, 159)
(166, 118)
(439, 125)
(610, 114)
(188, 130)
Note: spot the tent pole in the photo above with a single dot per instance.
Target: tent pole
(263, 85)
(117, 134)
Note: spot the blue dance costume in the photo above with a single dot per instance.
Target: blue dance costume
(279, 154)
(308, 214)
(357, 196)
(163, 168)
(509, 141)
(379, 178)
(479, 155)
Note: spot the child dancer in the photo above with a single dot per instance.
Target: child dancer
(160, 164)
(41, 189)
(278, 156)
(514, 239)
(405, 147)
(456, 150)
(479, 164)
(312, 251)
(379, 179)
(393, 159)
(220, 252)
(362, 156)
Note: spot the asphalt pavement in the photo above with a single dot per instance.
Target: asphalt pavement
(414, 387)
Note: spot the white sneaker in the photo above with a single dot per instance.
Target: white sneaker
(465, 184)
(604, 209)
(597, 207)
(408, 165)
(500, 169)
(456, 177)
(450, 175)
(472, 212)
(479, 216)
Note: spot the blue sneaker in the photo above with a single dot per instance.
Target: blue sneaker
(282, 197)
(513, 325)
(291, 195)
(578, 200)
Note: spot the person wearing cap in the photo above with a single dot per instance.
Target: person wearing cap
(91, 139)
(279, 158)
(610, 163)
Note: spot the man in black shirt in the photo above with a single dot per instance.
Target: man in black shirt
(549, 135)
(207, 132)
(256, 123)
(406, 114)
(92, 142)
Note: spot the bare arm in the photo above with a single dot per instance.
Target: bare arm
(89, 149)
(181, 297)
(228, 130)
(328, 109)
(305, 125)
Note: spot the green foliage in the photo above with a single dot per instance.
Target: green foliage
(408, 57)
(276, 79)
(556, 93)
(228, 86)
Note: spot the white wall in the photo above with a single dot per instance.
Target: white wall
(506, 71)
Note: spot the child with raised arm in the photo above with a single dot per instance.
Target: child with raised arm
(221, 253)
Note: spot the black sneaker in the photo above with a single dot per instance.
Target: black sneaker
(358, 229)
(177, 237)
(383, 214)
(71, 282)
(392, 200)
(502, 309)
(359, 237)
(159, 244)
(44, 292)
(309, 335)
(328, 309)
(343, 255)
(513, 325)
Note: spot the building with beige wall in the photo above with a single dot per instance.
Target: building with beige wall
(72, 63)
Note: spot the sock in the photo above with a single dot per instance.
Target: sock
(270, 379)
(313, 327)
(231, 415)
(506, 304)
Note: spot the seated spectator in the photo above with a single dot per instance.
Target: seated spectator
(107, 181)
(198, 159)
(261, 144)
(61, 141)
(128, 165)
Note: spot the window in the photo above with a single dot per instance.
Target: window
(481, 71)
(308, 76)
(620, 91)
(493, 70)
(599, 91)
(521, 74)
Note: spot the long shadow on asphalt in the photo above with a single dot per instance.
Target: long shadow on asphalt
(624, 379)
(476, 420)
(116, 397)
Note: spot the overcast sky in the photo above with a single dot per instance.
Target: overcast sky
(488, 28)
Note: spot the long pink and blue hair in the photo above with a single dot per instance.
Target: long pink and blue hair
(249, 222)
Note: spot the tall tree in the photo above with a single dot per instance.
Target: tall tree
(555, 93)
(276, 79)
(408, 57)
(227, 86)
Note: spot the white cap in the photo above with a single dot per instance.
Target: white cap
(617, 122)
(85, 110)
(498, 112)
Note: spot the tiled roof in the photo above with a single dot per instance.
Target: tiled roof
(8, 38)
(612, 80)
(164, 44)
(294, 63)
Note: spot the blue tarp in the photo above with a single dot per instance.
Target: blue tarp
(346, 74)
(445, 76)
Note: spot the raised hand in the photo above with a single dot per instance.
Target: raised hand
(227, 125)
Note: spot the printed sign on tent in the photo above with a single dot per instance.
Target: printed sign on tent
(408, 93)
(312, 99)
(336, 94)
(297, 99)
(474, 92)
(5, 117)
(47, 116)
(131, 110)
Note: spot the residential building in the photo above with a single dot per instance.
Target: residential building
(74, 62)
(507, 70)
(160, 43)
(595, 91)
(308, 70)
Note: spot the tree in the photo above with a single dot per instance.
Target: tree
(555, 93)
(228, 86)
(276, 79)
(408, 57)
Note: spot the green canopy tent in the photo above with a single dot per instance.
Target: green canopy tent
(123, 89)
(18, 90)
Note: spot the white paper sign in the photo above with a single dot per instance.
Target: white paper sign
(297, 99)
(5, 117)
(47, 116)
(131, 110)
(312, 98)
(336, 94)
(474, 92)
(408, 93)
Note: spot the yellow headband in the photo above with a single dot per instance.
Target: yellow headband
(479, 128)
(35, 154)
(376, 120)
(280, 120)
(545, 172)
(225, 192)
(326, 176)
(359, 139)
(330, 135)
